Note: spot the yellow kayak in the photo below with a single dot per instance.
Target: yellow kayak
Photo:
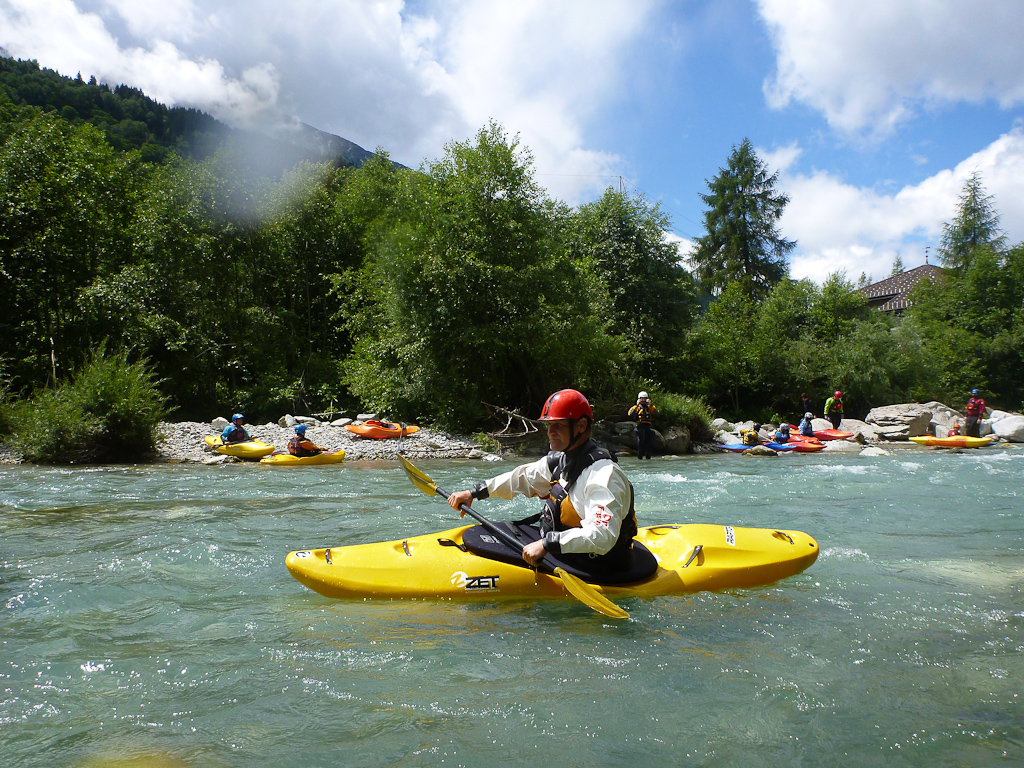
(251, 449)
(956, 441)
(287, 460)
(691, 558)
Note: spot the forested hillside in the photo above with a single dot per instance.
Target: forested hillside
(426, 294)
(131, 120)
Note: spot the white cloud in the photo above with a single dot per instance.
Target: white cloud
(62, 37)
(375, 72)
(842, 227)
(870, 65)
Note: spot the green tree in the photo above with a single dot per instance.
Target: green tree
(67, 202)
(649, 296)
(743, 242)
(470, 298)
(975, 225)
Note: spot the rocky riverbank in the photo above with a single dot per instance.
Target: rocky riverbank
(185, 442)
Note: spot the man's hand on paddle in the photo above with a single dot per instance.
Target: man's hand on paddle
(534, 552)
(457, 499)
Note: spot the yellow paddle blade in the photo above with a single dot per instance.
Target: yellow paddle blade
(420, 480)
(587, 595)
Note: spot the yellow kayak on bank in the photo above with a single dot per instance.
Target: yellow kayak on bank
(250, 449)
(690, 558)
(956, 441)
(287, 460)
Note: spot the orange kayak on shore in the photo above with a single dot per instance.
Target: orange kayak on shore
(381, 429)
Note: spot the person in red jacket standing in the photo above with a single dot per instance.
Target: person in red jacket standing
(975, 413)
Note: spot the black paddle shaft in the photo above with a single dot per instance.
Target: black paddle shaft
(507, 538)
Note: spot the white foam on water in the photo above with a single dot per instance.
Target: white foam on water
(844, 469)
(970, 572)
(844, 553)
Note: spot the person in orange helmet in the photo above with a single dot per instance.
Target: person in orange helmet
(588, 517)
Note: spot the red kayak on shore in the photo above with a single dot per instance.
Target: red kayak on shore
(819, 434)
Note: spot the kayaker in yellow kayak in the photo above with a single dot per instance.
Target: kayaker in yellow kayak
(300, 446)
(588, 514)
(235, 432)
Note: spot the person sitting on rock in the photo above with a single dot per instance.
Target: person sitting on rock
(300, 446)
(235, 432)
(806, 427)
(751, 436)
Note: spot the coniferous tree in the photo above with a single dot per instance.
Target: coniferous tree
(743, 241)
(976, 224)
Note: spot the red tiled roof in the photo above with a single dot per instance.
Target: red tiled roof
(892, 294)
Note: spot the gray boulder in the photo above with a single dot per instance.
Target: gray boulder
(219, 423)
(677, 439)
(721, 424)
(874, 450)
(842, 446)
(1011, 428)
(900, 422)
(943, 418)
(366, 416)
(341, 422)
(287, 421)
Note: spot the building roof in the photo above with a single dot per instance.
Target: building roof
(893, 293)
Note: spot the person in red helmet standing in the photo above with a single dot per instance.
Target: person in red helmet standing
(588, 517)
(834, 409)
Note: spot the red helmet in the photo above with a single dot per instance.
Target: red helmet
(838, 393)
(566, 404)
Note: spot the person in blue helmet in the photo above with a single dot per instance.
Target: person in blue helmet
(300, 446)
(975, 413)
(235, 432)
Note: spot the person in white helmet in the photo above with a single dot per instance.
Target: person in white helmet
(643, 414)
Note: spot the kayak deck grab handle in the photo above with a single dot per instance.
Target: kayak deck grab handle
(327, 556)
(696, 551)
(783, 534)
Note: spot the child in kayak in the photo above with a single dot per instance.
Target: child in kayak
(751, 436)
(235, 432)
(300, 446)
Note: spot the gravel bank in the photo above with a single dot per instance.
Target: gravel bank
(185, 441)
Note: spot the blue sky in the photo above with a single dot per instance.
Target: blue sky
(873, 113)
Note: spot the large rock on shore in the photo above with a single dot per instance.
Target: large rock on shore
(943, 418)
(900, 422)
(677, 440)
(1011, 428)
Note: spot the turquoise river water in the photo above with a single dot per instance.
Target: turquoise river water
(147, 619)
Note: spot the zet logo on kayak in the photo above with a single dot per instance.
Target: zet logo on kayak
(730, 535)
(475, 583)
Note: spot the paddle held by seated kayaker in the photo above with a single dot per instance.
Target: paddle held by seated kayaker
(235, 432)
(588, 514)
(300, 446)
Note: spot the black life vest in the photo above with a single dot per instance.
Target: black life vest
(295, 447)
(558, 514)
